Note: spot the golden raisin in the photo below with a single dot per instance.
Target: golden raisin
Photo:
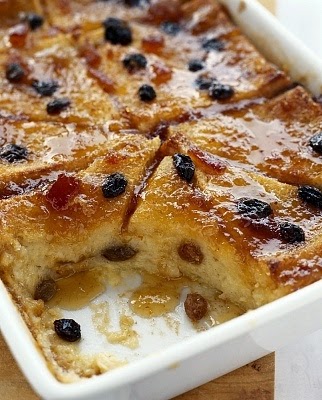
(196, 306)
(45, 290)
(190, 252)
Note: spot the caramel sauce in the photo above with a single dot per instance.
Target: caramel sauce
(220, 311)
(208, 162)
(77, 291)
(156, 296)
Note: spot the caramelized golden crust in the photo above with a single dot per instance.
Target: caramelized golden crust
(40, 234)
(88, 102)
(272, 137)
(238, 252)
(236, 63)
(50, 147)
(215, 101)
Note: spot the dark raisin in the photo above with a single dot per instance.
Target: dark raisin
(147, 93)
(134, 62)
(45, 290)
(253, 208)
(114, 185)
(15, 72)
(57, 105)
(291, 233)
(218, 91)
(195, 65)
(184, 166)
(316, 142)
(67, 329)
(196, 306)
(213, 44)
(119, 253)
(117, 31)
(190, 252)
(170, 28)
(204, 83)
(311, 195)
(136, 3)
(45, 88)
(34, 21)
(13, 152)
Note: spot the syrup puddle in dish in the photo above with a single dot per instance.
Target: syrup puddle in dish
(152, 297)
(77, 290)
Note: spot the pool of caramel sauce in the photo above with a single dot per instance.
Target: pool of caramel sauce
(77, 290)
(154, 297)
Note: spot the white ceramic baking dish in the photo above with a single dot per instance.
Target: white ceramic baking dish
(165, 370)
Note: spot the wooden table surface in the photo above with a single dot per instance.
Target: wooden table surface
(252, 382)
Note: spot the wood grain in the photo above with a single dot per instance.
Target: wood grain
(255, 381)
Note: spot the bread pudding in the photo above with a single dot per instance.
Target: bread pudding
(149, 136)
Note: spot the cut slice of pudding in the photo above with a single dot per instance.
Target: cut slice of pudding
(77, 216)
(279, 138)
(237, 231)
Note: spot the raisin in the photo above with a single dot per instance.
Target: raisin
(117, 31)
(34, 21)
(147, 93)
(45, 290)
(213, 44)
(316, 142)
(119, 253)
(195, 65)
(136, 3)
(170, 28)
(57, 105)
(196, 306)
(45, 88)
(204, 83)
(218, 91)
(190, 252)
(253, 208)
(15, 72)
(134, 62)
(67, 329)
(13, 152)
(291, 233)
(184, 166)
(62, 190)
(311, 195)
(114, 185)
